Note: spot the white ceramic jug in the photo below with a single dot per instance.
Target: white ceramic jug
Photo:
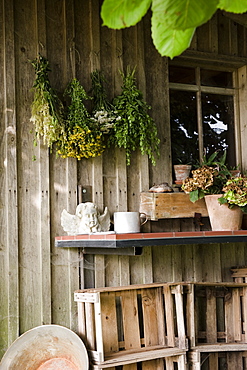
(128, 222)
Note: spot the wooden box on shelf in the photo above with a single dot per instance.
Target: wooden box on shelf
(170, 205)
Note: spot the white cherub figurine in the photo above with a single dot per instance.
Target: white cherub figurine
(86, 220)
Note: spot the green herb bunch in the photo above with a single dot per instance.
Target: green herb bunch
(47, 108)
(103, 113)
(135, 128)
(84, 140)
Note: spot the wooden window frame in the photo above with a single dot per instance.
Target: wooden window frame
(239, 94)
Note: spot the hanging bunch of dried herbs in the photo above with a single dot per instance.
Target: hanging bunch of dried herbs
(135, 129)
(84, 139)
(47, 108)
(103, 113)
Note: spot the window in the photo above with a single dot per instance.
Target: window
(201, 113)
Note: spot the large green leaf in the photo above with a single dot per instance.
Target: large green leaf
(170, 42)
(123, 13)
(184, 14)
(234, 6)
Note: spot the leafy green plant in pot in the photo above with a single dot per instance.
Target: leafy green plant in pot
(225, 196)
(135, 129)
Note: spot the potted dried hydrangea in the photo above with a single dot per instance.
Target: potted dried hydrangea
(225, 196)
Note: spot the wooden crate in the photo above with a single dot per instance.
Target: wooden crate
(216, 315)
(137, 323)
(234, 360)
(170, 205)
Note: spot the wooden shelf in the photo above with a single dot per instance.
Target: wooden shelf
(131, 244)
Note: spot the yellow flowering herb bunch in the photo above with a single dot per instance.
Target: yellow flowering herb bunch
(84, 139)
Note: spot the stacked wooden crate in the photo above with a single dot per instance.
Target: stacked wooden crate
(161, 326)
(124, 326)
(216, 325)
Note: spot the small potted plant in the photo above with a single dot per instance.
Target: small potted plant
(181, 171)
(225, 196)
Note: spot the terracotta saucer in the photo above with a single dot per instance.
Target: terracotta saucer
(46, 347)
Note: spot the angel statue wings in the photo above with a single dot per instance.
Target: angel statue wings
(86, 220)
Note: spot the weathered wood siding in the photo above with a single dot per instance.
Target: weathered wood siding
(38, 280)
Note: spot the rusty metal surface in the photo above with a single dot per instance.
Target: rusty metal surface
(46, 347)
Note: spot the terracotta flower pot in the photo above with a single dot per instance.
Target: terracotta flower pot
(182, 171)
(223, 218)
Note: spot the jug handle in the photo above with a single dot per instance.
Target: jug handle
(146, 218)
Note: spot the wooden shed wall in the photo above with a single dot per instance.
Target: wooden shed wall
(37, 279)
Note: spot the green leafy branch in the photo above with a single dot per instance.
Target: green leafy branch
(173, 21)
(135, 127)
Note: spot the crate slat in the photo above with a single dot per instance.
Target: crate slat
(130, 319)
(109, 322)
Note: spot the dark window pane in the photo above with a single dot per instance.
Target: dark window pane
(216, 78)
(218, 125)
(184, 134)
(182, 75)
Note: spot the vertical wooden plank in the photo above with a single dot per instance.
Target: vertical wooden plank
(213, 28)
(44, 188)
(229, 314)
(234, 360)
(130, 319)
(244, 313)
(112, 277)
(169, 314)
(188, 263)
(178, 291)
(147, 265)
(162, 263)
(213, 361)
(203, 37)
(198, 261)
(33, 257)
(191, 314)
(11, 276)
(237, 324)
(81, 321)
(109, 322)
(233, 37)
(224, 34)
(90, 327)
(228, 259)
(211, 315)
(141, 267)
(150, 305)
(177, 262)
(9, 304)
(210, 268)
(63, 172)
(242, 78)
(124, 270)
(99, 271)
(156, 72)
